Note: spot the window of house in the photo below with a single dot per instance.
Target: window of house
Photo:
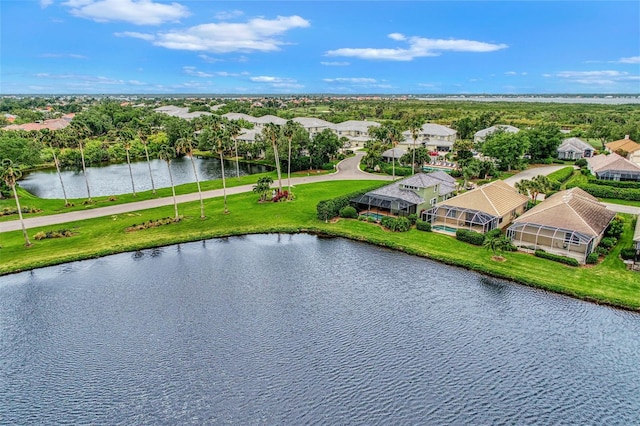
(433, 201)
(571, 238)
(452, 213)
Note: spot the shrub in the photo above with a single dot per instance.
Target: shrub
(60, 233)
(615, 183)
(421, 225)
(493, 233)
(471, 237)
(328, 209)
(413, 218)
(607, 243)
(396, 224)
(328, 166)
(628, 253)
(581, 163)
(592, 258)
(349, 212)
(561, 175)
(606, 191)
(557, 258)
(615, 227)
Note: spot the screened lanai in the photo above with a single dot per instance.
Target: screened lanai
(446, 217)
(385, 204)
(565, 242)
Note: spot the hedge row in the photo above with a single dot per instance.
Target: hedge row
(615, 183)
(396, 224)
(602, 191)
(471, 237)
(561, 175)
(557, 258)
(421, 225)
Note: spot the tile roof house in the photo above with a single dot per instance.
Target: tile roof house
(613, 167)
(314, 125)
(487, 207)
(432, 136)
(569, 223)
(625, 147)
(356, 131)
(574, 149)
(52, 124)
(409, 195)
(481, 135)
(182, 112)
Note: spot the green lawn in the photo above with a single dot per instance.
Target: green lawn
(608, 282)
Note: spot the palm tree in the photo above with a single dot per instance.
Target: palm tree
(48, 137)
(80, 133)
(289, 130)
(166, 153)
(125, 136)
(143, 134)
(272, 133)
(414, 124)
(263, 186)
(497, 243)
(10, 176)
(220, 135)
(233, 130)
(393, 135)
(184, 146)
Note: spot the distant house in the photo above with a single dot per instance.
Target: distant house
(481, 135)
(569, 223)
(52, 124)
(247, 135)
(626, 148)
(355, 130)
(182, 112)
(260, 122)
(314, 125)
(393, 153)
(409, 195)
(239, 116)
(613, 167)
(574, 149)
(490, 206)
(434, 137)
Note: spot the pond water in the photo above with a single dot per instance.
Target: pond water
(294, 329)
(114, 179)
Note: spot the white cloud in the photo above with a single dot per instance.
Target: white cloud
(601, 78)
(81, 79)
(209, 59)
(418, 47)
(45, 3)
(630, 60)
(229, 14)
(136, 83)
(277, 82)
(254, 35)
(335, 64)
(139, 12)
(142, 36)
(356, 80)
(192, 71)
(510, 73)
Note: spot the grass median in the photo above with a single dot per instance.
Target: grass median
(608, 283)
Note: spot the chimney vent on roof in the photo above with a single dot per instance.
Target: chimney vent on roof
(626, 136)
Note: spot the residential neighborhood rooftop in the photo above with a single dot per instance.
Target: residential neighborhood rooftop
(496, 198)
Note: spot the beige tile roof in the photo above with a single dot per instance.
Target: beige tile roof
(626, 145)
(52, 124)
(612, 161)
(572, 210)
(496, 198)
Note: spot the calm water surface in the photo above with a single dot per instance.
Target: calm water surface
(279, 329)
(114, 179)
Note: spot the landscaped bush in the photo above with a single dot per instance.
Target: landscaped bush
(400, 171)
(592, 259)
(471, 237)
(581, 163)
(348, 212)
(628, 253)
(615, 227)
(152, 224)
(396, 224)
(561, 175)
(608, 243)
(493, 233)
(7, 211)
(413, 218)
(60, 233)
(421, 225)
(557, 258)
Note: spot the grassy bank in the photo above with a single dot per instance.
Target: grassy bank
(607, 282)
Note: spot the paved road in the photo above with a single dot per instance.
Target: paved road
(347, 169)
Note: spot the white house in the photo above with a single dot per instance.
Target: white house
(435, 137)
(481, 135)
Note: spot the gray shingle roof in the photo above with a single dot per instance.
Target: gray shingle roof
(574, 145)
(485, 132)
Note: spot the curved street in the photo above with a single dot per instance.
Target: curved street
(348, 169)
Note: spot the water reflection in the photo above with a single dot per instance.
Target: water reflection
(114, 179)
(293, 329)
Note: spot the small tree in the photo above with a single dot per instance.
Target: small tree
(497, 244)
(263, 187)
(167, 154)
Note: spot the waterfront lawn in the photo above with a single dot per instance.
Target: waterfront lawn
(608, 282)
(54, 206)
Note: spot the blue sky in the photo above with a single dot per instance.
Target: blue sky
(342, 47)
